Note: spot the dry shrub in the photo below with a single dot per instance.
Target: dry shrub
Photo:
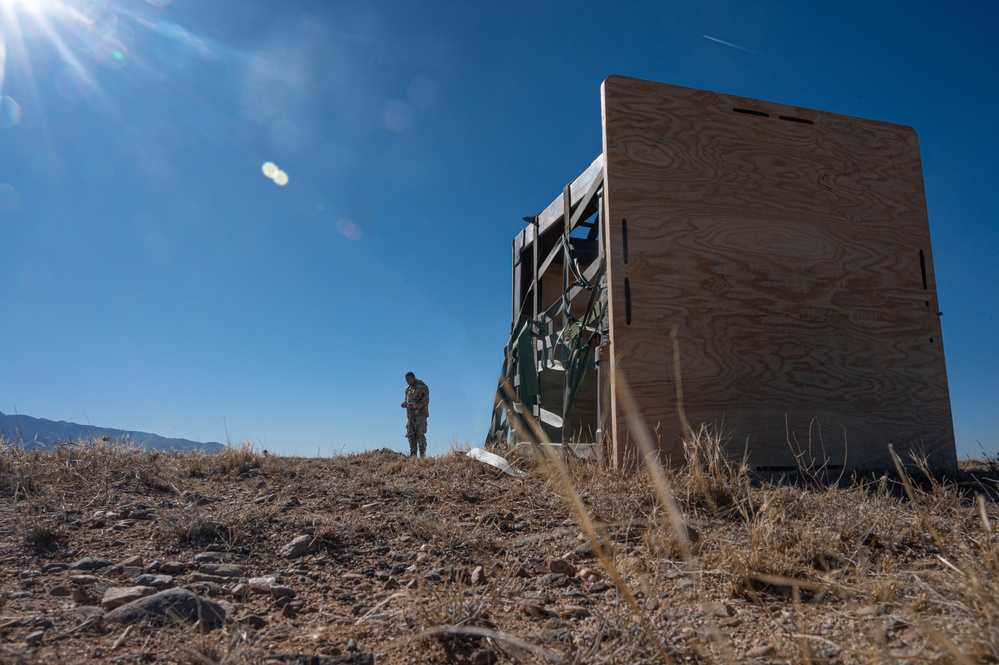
(711, 478)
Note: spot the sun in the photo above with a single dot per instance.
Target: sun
(34, 7)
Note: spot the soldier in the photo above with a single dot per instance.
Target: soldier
(417, 407)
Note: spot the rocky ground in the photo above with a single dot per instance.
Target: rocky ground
(113, 555)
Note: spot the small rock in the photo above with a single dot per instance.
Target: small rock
(717, 609)
(562, 567)
(298, 547)
(574, 612)
(133, 561)
(80, 580)
(222, 570)
(241, 591)
(167, 605)
(555, 580)
(479, 576)
(155, 581)
(35, 639)
(599, 587)
(84, 613)
(214, 579)
(253, 621)
(60, 591)
(280, 591)
(89, 563)
(208, 557)
(263, 584)
(764, 651)
(292, 609)
(173, 568)
(53, 568)
(205, 588)
(871, 610)
(118, 596)
(227, 607)
(86, 595)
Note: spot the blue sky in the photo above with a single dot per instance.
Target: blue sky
(153, 278)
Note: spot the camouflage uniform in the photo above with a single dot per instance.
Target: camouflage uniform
(417, 411)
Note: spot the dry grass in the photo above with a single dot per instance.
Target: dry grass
(708, 564)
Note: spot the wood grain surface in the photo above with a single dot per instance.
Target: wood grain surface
(789, 249)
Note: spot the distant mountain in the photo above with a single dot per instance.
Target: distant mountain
(42, 433)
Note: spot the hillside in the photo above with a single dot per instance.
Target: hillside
(378, 558)
(41, 432)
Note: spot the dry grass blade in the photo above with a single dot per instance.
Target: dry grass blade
(650, 457)
(478, 631)
(910, 492)
(555, 464)
(949, 645)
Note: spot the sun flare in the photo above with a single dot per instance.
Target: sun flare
(34, 7)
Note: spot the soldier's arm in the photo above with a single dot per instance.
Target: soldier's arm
(421, 397)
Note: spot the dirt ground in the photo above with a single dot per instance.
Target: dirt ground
(378, 558)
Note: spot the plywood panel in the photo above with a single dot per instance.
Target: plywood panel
(789, 248)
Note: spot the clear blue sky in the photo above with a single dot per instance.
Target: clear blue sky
(152, 278)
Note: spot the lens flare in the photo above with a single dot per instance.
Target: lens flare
(272, 171)
(10, 112)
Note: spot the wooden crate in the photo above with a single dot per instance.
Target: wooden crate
(789, 250)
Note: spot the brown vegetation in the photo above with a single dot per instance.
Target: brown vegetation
(447, 560)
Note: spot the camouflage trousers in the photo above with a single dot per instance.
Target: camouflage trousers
(416, 432)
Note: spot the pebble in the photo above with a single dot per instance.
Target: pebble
(173, 567)
(555, 580)
(156, 581)
(89, 563)
(281, 591)
(298, 547)
(871, 610)
(118, 596)
(599, 587)
(479, 576)
(133, 561)
(292, 609)
(563, 567)
(763, 651)
(222, 570)
(208, 557)
(80, 580)
(263, 584)
(241, 591)
(252, 621)
(717, 609)
(167, 606)
(574, 612)
(60, 591)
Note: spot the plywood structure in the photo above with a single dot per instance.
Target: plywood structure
(781, 254)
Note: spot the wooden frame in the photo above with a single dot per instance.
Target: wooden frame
(782, 254)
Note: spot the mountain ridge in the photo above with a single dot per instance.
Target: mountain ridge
(45, 433)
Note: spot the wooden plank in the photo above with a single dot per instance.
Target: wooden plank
(554, 213)
(784, 246)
